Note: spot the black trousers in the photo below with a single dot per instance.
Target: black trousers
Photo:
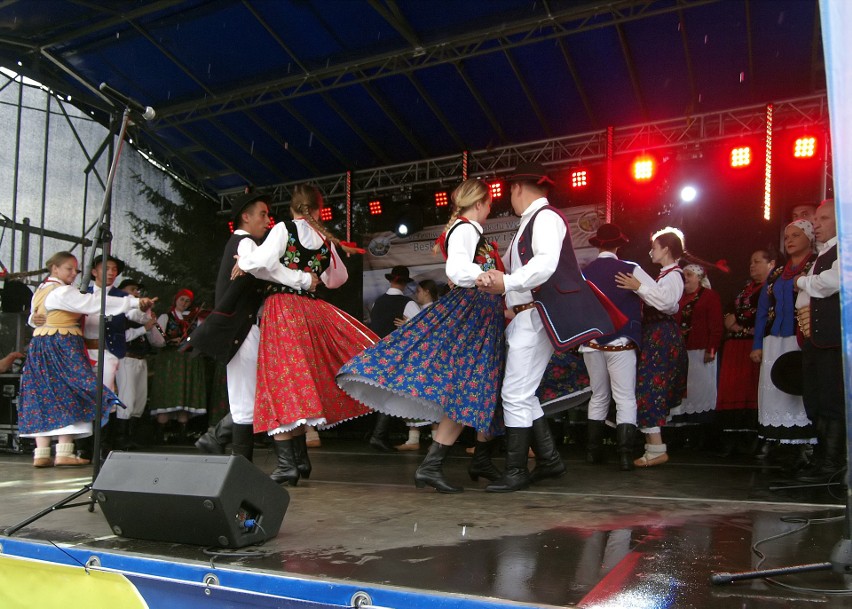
(822, 382)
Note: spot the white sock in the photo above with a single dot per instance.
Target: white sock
(65, 450)
(413, 436)
(655, 449)
(41, 453)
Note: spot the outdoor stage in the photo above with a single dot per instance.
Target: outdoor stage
(594, 538)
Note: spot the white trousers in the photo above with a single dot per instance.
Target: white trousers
(242, 378)
(111, 364)
(132, 381)
(612, 375)
(529, 351)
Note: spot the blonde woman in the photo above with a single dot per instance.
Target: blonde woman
(303, 340)
(58, 385)
(445, 364)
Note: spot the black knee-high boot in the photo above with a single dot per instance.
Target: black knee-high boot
(594, 441)
(548, 463)
(380, 440)
(242, 440)
(431, 472)
(481, 464)
(624, 434)
(517, 476)
(217, 438)
(286, 471)
(300, 451)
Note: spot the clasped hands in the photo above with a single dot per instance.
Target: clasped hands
(491, 282)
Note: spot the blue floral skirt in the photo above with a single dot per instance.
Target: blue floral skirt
(565, 383)
(660, 372)
(448, 360)
(58, 386)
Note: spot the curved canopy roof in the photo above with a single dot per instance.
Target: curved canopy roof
(270, 91)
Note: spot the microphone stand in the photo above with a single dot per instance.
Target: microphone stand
(104, 236)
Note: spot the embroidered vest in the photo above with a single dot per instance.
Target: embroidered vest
(825, 312)
(63, 322)
(601, 272)
(115, 327)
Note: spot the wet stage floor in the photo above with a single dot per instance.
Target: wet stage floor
(596, 538)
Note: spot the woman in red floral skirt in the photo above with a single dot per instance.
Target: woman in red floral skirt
(303, 340)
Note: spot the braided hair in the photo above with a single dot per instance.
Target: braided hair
(466, 195)
(308, 199)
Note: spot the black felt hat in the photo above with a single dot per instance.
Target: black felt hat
(118, 262)
(787, 373)
(239, 204)
(608, 235)
(128, 282)
(399, 273)
(530, 172)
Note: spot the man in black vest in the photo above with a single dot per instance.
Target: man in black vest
(231, 334)
(391, 305)
(822, 362)
(554, 308)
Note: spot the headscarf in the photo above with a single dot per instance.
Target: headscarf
(699, 270)
(806, 227)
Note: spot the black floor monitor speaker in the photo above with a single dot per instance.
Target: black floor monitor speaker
(197, 499)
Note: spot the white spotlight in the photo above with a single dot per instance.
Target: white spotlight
(688, 194)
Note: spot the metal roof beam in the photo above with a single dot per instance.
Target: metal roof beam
(578, 82)
(378, 151)
(473, 44)
(395, 18)
(530, 98)
(631, 70)
(119, 18)
(693, 89)
(394, 117)
(424, 95)
(285, 146)
(495, 124)
(316, 133)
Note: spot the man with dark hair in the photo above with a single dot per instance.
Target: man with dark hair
(554, 308)
(131, 379)
(818, 312)
(231, 333)
(388, 307)
(117, 432)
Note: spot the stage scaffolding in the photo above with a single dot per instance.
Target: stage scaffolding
(688, 133)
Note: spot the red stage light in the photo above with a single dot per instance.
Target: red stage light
(805, 147)
(441, 199)
(271, 223)
(579, 178)
(231, 226)
(325, 214)
(741, 156)
(496, 190)
(375, 208)
(643, 168)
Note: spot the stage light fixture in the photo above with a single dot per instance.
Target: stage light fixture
(408, 221)
(579, 178)
(325, 214)
(271, 224)
(441, 199)
(496, 190)
(741, 157)
(230, 226)
(688, 194)
(643, 168)
(805, 147)
(375, 208)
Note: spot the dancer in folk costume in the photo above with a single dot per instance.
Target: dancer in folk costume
(445, 364)
(303, 340)
(736, 403)
(58, 385)
(781, 416)
(179, 386)
(555, 310)
(661, 370)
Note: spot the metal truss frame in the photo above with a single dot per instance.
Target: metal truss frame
(674, 134)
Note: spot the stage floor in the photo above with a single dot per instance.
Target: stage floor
(595, 538)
